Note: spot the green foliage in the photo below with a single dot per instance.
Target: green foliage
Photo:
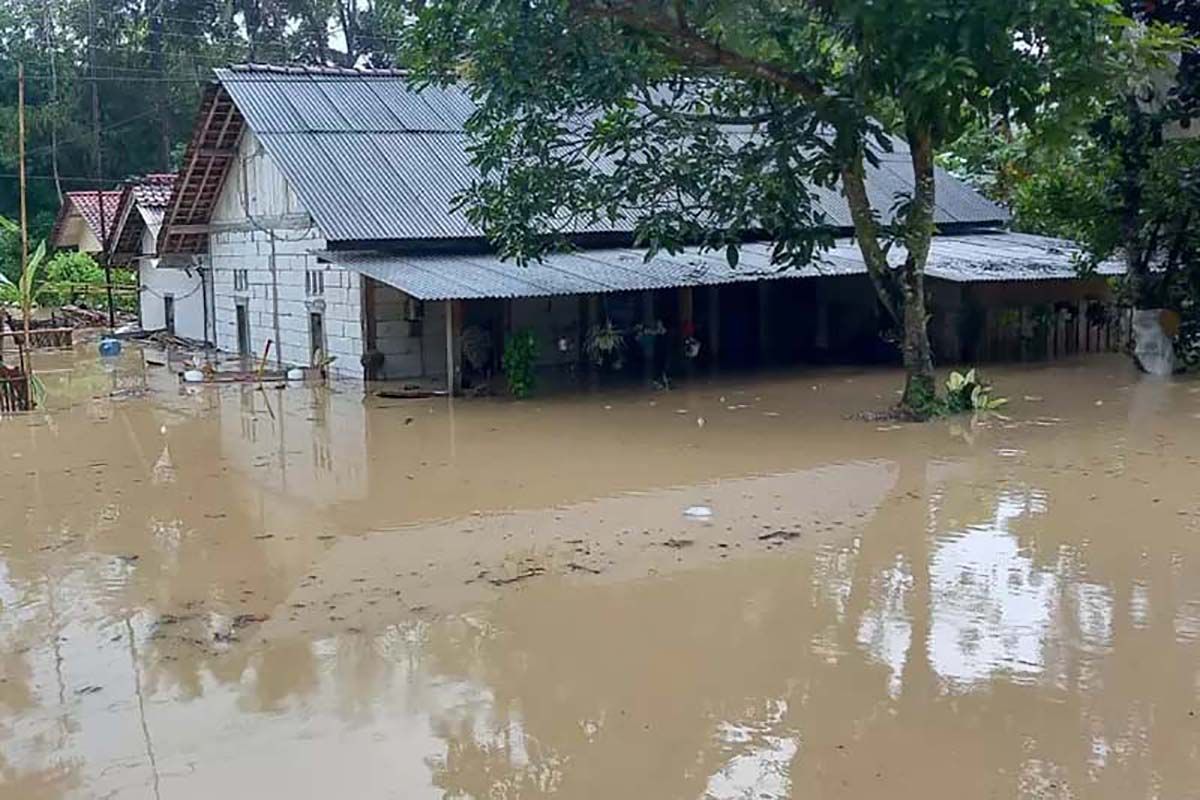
(520, 363)
(664, 97)
(605, 345)
(152, 68)
(70, 277)
(967, 392)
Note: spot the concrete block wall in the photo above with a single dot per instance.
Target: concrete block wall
(155, 283)
(402, 352)
(340, 303)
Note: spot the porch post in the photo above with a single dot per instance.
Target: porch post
(649, 343)
(714, 324)
(453, 374)
(764, 325)
(687, 324)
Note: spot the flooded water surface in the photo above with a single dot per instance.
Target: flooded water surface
(736, 589)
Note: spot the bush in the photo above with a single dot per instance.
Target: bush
(70, 277)
(519, 362)
(967, 392)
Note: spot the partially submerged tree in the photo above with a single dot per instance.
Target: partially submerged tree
(713, 121)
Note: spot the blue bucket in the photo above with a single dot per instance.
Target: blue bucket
(110, 348)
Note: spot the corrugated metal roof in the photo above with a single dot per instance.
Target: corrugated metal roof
(373, 159)
(961, 259)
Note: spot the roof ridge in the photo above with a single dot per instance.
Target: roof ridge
(314, 69)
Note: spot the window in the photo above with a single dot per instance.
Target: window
(243, 330)
(314, 282)
(241, 280)
(169, 313)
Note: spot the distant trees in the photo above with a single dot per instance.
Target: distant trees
(152, 57)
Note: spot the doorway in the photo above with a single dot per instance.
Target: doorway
(316, 337)
(243, 331)
(169, 313)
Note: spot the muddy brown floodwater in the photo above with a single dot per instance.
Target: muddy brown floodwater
(299, 593)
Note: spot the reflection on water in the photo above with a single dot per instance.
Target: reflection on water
(993, 607)
(219, 592)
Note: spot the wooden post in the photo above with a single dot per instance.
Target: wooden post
(453, 369)
(448, 310)
(687, 324)
(764, 322)
(24, 214)
(649, 344)
(714, 325)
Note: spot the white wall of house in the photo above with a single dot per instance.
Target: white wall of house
(260, 249)
(156, 283)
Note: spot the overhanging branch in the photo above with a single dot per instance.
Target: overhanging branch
(675, 37)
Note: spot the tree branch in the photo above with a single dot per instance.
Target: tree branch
(666, 112)
(677, 39)
(854, 186)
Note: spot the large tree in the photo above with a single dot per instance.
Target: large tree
(711, 121)
(1126, 182)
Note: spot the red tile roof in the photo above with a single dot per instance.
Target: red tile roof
(154, 191)
(88, 204)
(143, 199)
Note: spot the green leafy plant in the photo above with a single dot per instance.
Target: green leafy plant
(25, 282)
(605, 344)
(967, 392)
(71, 276)
(520, 362)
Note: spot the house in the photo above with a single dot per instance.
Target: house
(175, 299)
(84, 220)
(321, 201)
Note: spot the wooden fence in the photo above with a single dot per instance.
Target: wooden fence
(14, 390)
(42, 337)
(1037, 333)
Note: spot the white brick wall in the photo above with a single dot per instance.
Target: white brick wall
(238, 243)
(155, 283)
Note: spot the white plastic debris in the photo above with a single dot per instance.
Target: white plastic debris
(698, 512)
(193, 376)
(700, 422)
(295, 374)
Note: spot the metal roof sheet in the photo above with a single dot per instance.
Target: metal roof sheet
(960, 259)
(373, 159)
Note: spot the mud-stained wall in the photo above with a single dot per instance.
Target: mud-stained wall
(261, 252)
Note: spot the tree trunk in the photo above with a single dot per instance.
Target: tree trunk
(902, 291)
(920, 390)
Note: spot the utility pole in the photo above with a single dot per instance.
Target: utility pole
(24, 213)
(52, 47)
(157, 63)
(112, 310)
(95, 87)
(97, 160)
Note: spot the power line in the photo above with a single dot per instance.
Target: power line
(107, 129)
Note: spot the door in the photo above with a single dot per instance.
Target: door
(316, 337)
(243, 331)
(169, 313)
